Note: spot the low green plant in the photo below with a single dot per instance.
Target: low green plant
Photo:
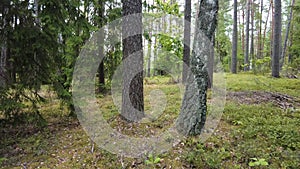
(152, 160)
(2, 159)
(258, 162)
(262, 65)
(237, 123)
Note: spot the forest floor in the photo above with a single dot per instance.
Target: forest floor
(259, 128)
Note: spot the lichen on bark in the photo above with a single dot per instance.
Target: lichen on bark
(194, 107)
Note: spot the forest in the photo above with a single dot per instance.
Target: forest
(149, 84)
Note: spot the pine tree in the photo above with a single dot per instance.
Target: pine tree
(276, 39)
(133, 96)
(193, 111)
(187, 40)
(234, 40)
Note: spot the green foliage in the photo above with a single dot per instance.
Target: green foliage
(170, 55)
(258, 162)
(2, 160)
(294, 48)
(245, 131)
(10, 106)
(152, 160)
(292, 69)
(247, 81)
(223, 42)
(18, 100)
(262, 65)
(167, 8)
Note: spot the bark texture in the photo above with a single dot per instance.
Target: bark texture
(246, 57)
(234, 40)
(276, 38)
(132, 96)
(193, 111)
(187, 39)
(252, 57)
(101, 75)
(3, 44)
(287, 34)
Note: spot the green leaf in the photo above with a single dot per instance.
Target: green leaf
(157, 160)
(147, 162)
(251, 164)
(263, 162)
(2, 160)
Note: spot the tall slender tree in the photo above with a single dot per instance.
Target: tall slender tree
(287, 34)
(276, 39)
(265, 30)
(259, 48)
(4, 42)
(243, 30)
(100, 22)
(187, 38)
(252, 33)
(234, 40)
(193, 111)
(133, 96)
(246, 55)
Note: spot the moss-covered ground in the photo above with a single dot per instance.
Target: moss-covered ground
(257, 130)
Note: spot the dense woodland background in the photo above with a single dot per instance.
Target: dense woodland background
(254, 41)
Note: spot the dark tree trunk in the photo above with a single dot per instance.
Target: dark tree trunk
(187, 39)
(259, 49)
(149, 58)
(101, 75)
(234, 40)
(287, 34)
(272, 28)
(252, 35)
(149, 51)
(210, 66)
(265, 32)
(193, 111)
(36, 60)
(276, 38)
(243, 31)
(4, 45)
(133, 96)
(246, 59)
(290, 56)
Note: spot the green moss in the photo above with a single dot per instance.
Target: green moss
(246, 82)
(245, 131)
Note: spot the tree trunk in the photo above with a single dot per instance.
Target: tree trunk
(287, 34)
(36, 60)
(101, 75)
(272, 28)
(246, 59)
(211, 61)
(265, 31)
(243, 31)
(133, 61)
(252, 35)
(155, 53)
(193, 111)
(276, 38)
(234, 40)
(149, 55)
(187, 39)
(259, 49)
(4, 50)
(290, 56)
